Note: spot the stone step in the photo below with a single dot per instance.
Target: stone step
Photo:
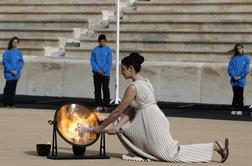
(49, 23)
(173, 45)
(33, 42)
(195, 6)
(188, 54)
(38, 51)
(57, 7)
(63, 2)
(187, 17)
(36, 32)
(112, 1)
(194, 1)
(50, 15)
(177, 45)
(183, 26)
(142, 35)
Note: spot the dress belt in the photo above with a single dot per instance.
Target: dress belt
(147, 105)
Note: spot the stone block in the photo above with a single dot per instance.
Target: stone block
(180, 82)
(215, 86)
(44, 77)
(77, 79)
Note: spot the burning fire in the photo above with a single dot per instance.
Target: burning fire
(70, 118)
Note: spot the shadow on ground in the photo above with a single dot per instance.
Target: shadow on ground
(186, 110)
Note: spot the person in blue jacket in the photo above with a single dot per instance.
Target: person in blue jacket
(101, 63)
(13, 63)
(238, 69)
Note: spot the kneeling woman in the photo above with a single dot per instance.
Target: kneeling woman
(146, 133)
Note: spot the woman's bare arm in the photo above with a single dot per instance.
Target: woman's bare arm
(126, 117)
(129, 96)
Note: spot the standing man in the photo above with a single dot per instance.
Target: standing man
(101, 63)
(13, 63)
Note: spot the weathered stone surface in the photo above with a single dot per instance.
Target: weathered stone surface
(172, 81)
(180, 82)
(215, 87)
(44, 78)
(77, 79)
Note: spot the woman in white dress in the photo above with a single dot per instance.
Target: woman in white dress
(146, 134)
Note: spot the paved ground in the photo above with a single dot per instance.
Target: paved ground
(21, 129)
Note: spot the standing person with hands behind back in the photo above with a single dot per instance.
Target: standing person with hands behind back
(238, 69)
(101, 63)
(13, 63)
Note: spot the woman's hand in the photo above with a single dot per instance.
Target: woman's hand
(97, 130)
(113, 130)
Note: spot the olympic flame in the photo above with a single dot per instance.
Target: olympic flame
(70, 121)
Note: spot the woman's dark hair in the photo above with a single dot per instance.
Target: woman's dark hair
(235, 49)
(134, 59)
(10, 46)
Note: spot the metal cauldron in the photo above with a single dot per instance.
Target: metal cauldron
(69, 118)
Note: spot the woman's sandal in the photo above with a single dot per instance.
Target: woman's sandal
(224, 152)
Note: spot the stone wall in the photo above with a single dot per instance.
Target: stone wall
(172, 81)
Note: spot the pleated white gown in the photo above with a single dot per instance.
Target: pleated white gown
(148, 136)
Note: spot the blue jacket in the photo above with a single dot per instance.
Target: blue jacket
(238, 67)
(101, 59)
(12, 61)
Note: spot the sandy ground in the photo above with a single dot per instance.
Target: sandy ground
(22, 129)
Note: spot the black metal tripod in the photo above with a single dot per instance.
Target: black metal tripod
(54, 155)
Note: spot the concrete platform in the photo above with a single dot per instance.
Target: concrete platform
(21, 129)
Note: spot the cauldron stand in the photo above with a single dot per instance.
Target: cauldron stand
(54, 154)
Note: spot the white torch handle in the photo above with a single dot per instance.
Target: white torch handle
(89, 130)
